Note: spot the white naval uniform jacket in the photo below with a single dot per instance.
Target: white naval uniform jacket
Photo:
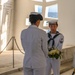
(34, 43)
(58, 42)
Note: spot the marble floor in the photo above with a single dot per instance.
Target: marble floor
(4, 56)
(66, 73)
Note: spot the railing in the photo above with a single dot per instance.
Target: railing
(13, 40)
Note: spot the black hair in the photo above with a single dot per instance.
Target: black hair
(33, 18)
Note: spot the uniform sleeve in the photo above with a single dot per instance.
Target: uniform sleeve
(22, 40)
(44, 44)
(60, 44)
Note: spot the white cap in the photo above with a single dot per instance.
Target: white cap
(34, 13)
(52, 21)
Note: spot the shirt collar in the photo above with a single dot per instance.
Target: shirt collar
(55, 33)
(32, 26)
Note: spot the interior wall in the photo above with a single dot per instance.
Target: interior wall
(66, 19)
(22, 11)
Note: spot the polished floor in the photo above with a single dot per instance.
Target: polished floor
(66, 73)
(6, 63)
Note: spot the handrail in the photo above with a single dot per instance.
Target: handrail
(13, 53)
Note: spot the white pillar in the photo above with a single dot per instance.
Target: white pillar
(0, 24)
(8, 10)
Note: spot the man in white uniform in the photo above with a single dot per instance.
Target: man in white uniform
(34, 42)
(55, 41)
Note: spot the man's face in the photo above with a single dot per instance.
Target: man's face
(53, 27)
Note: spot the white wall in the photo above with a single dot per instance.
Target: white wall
(22, 10)
(66, 18)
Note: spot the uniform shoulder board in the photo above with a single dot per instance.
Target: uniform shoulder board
(62, 38)
(61, 41)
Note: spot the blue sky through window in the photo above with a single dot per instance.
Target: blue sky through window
(38, 8)
(53, 11)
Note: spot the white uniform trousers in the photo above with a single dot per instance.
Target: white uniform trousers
(37, 71)
(53, 64)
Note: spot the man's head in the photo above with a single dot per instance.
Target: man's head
(53, 25)
(35, 18)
